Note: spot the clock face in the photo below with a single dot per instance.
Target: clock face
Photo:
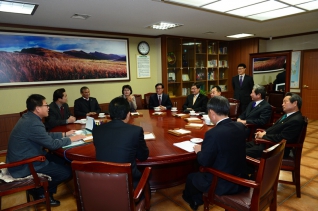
(143, 48)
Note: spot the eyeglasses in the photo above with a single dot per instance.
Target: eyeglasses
(45, 105)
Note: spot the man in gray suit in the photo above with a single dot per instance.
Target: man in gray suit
(29, 137)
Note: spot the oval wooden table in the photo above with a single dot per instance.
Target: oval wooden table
(170, 164)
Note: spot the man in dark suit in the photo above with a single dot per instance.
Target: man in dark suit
(117, 141)
(259, 111)
(223, 148)
(160, 99)
(195, 101)
(59, 113)
(288, 127)
(29, 138)
(86, 105)
(242, 86)
(280, 78)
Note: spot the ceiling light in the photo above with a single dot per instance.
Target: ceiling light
(196, 3)
(18, 7)
(313, 5)
(294, 2)
(227, 5)
(80, 16)
(240, 35)
(276, 13)
(164, 25)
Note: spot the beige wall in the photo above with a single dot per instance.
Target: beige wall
(13, 98)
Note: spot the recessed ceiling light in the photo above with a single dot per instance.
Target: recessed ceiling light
(240, 35)
(17, 7)
(164, 25)
(80, 16)
(313, 5)
(276, 13)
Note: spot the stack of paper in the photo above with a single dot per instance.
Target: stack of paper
(148, 136)
(185, 145)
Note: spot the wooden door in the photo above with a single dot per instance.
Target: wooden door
(309, 85)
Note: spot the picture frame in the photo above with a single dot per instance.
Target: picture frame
(267, 66)
(41, 59)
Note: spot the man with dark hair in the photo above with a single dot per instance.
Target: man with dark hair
(29, 138)
(120, 142)
(195, 101)
(160, 99)
(215, 91)
(288, 127)
(86, 105)
(59, 113)
(223, 148)
(242, 86)
(258, 112)
(280, 78)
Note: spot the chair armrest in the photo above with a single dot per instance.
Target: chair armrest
(231, 178)
(252, 161)
(264, 141)
(40, 158)
(142, 183)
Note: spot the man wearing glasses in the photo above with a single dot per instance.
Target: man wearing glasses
(29, 139)
(160, 99)
(242, 86)
(195, 101)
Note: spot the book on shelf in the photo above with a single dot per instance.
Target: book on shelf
(223, 87)
(185, 77)
(223, 63)
(171, 77)
(212, 63)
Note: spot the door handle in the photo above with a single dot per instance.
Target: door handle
(305, 86)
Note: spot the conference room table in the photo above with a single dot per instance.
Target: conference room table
(170, 164)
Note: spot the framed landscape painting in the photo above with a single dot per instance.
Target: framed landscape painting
(34, 59)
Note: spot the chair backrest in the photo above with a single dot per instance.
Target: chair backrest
(23, 112)
(298, 150)
(272, 118)
(276, 99)
(234, 108)
(268, 173)
(146, 98)
(139, 101)
(103, 185)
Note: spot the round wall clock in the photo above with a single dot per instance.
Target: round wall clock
(143, 48)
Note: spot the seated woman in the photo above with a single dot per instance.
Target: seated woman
(127, 94)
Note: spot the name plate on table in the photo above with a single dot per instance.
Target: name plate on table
(181, 115)
(179, 132)
(159, 113)
(194, 125)
(135, 114)
(186, 145)
(149, 136)
(193, 119)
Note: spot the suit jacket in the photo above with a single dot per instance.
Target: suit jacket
(223, 148)
(165, 101)
(243, 92)
(27, 139)
(259, 115)
(119, 142)
(81, 108)
(199, 105)
(55, 118)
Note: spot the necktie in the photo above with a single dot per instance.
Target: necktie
(62, 111)
(241, 80)
(194, 99)
(254, 104)
(284, 117)
(159, 100)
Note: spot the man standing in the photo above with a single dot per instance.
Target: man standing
(215, 91)
(86, 105)
(118, 141)
(242, 86)
(59, 112)
(195, 101)
(29, 137)
(160, 99)
(288, 127)
(223, 148)
(258, 112)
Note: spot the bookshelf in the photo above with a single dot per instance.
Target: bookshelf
(189, 60)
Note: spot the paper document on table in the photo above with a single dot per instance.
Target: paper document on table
(182, 131)
(148, 136)
(74, 143)
(185, 145)
(195, 125)
(134, 113)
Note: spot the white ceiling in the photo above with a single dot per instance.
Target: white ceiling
(133, 16)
